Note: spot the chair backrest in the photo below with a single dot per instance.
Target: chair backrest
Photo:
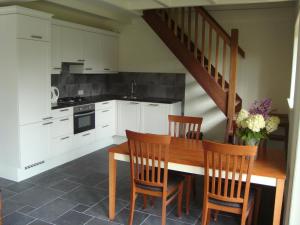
(185, 126)
(147, 153)
(226, 168)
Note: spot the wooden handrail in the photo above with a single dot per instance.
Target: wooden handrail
(218, 28)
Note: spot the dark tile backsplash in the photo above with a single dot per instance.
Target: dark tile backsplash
(158, 85)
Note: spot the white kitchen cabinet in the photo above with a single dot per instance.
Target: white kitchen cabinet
(34, 143)
(105, 131)
(129, 114)
(62, 126)
(84, 138)
(63, 112)
(72, 45)
(109, 53)
(92, 53)
(56, 49)
(61, 145)
(34, 80)
(34, 28)
(154, 118)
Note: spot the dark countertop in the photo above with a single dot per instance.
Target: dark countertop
(102, 98)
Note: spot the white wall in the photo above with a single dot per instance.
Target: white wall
(266, 36)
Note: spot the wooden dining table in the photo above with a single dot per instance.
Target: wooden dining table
(187, 156)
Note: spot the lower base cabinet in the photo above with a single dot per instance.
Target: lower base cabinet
(84, 138)
(61, 145)
(105, 131)
(34, 143)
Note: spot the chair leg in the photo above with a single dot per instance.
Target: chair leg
(179, 203)
(257, 201)
(243, 219)
(208, 217)
(132, 205)
(194, 186)
(164, 210)
(216, 215)
(152, 201)
(204, 214)
(145, 201)
(188, 193)
(250, 216)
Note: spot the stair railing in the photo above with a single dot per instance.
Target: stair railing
(196, 29)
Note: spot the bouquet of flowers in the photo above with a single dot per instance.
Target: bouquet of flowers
(256, 124)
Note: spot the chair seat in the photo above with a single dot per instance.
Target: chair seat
(173, 181)
(232, 204)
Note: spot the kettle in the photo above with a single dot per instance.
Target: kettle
(54, 94)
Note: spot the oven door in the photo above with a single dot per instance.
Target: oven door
(84, 121)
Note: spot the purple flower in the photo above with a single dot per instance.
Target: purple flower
(262, 107)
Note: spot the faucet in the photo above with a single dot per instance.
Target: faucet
(133, 89)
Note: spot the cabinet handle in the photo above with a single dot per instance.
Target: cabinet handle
(134, 103)
(36, 36)
(106, 69)
(105, 126)
(47, 123)
(57, 68)
(64, 138)
(85, 134)
(153, 104)
(64, 120)
(88, 68)
(80, 60)
(48, 118)
(105, 111)
(64, 110)
(105, 103)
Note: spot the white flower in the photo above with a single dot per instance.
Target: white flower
(255, 122)
(272, 124)
(243, 114)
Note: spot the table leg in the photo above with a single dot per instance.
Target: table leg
(112, 186)
(278, 201)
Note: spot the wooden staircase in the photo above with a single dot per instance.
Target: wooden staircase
(206, 51)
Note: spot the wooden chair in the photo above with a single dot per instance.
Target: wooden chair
(148, 154)
(186, 127)
(226, 191)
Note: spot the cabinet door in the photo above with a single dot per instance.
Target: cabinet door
(72, 45)
(61, 145)
(56, 53)
(34, 80)
(128, 116)
(62, 127)
(109, 53)
(92, 53)
(154, 118)
(34, 143)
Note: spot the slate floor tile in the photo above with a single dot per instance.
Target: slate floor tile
(72, 218)
(100, 209)
(10, 206)
(37, 196)
(81, 208)
(191, 218)
(5, 182)
(39, 222)
(96, 221)
(157, 220)
(89, 180)
(26, 209)
(20, 186)
(65, 186)
(85, 195)
(7, 193)
(138, 218)
(51, 179)
(17, 219)
(52, 210)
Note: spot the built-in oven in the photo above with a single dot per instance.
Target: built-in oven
(84, 118)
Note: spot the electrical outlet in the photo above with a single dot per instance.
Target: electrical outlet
(80, 92)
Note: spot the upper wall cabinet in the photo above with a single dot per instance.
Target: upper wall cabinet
(96, 49)
(72, 45)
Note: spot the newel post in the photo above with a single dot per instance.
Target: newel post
(234, 46)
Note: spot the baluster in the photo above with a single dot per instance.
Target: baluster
(203, 42)
(224, 64)
(189, 27)
(217, 60)
(196, 36)
(182, 25)
(209, 50)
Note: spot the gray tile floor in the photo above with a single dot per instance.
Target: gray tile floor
(76, 193)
